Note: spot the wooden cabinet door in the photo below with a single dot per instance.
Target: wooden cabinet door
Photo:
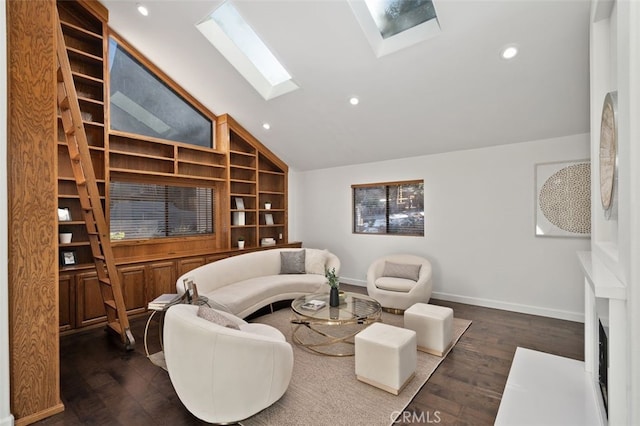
(186, 265)
(162, 279)
(67, 302)
(133, 281)
(90, 308)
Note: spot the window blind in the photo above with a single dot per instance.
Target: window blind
(389, 208)
(142, 211)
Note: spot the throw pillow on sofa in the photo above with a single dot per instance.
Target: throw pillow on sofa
(292, 262)
(215, 317)
(315, 261)
(401, 270)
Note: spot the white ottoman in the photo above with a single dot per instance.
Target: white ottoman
(433, 326)
(386, 356)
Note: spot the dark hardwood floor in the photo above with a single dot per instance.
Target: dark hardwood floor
(101, 384)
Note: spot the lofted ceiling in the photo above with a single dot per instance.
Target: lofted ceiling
(451, 92)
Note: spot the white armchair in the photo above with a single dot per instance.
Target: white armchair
(397, 288)
(224, 375)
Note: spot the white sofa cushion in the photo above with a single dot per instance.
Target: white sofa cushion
(395, 284)
(239, 296)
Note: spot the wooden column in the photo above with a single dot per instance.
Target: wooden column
(32, 194)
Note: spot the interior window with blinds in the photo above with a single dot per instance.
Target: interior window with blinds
(143, 211)
(395, 208)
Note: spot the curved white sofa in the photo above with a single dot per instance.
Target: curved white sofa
(398, 293)
(244, 283)
(224, 375)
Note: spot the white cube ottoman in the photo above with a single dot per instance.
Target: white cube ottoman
(433, 326)
(386, 356)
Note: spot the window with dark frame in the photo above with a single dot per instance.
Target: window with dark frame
(146, 211)
(141, 103)
(389, 208)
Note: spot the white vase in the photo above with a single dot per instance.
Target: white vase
(267, 206)
(65, 237)
(240, 244)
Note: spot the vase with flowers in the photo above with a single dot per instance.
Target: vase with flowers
(334, 283)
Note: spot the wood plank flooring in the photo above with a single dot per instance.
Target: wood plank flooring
(101, 384)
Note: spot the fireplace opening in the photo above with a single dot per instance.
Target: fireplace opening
(603, 365)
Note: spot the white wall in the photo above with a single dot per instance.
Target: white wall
(5, 412)
(479, 225)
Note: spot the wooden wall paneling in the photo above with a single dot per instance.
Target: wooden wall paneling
(133, 279)
(32, 233)
(162, 279)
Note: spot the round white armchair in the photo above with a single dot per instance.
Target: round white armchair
(223, 374)
(400, 280)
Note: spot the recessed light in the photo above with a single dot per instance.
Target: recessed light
(509, 52)
(142, 10)
(266, 126)
(354, 101)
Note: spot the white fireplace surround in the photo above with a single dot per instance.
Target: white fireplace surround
(602, 285)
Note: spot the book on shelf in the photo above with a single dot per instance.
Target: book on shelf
(238, 218)
(313, 305)
(163, 301)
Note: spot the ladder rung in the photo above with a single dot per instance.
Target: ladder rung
(99, 257)
(111, 304)
(105, 281)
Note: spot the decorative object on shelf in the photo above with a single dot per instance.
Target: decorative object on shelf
(334, 282)
(68, 258)
(240, 242)
(267, 205)
(266, 242)
(64, 215)
(65, 237)
(608, 153)
(563, 199)
(239, 203)
(268, 219)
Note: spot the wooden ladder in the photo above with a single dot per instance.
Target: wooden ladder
(92, 211)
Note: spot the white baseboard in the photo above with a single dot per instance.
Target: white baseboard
(6, 421)
(359, 283)
(513, 307)
(496, 304)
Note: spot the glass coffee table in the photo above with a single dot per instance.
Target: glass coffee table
(330, 330)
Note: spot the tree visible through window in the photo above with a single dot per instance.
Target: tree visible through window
(389, 208)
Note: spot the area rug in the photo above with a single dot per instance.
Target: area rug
(324, 390)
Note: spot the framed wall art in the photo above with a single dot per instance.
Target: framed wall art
(68, 258)
(563, 199)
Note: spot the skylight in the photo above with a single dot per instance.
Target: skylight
(227, 30)
(392, 25)
(395, 16)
